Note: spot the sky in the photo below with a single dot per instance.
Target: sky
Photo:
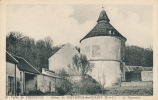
(70, 23)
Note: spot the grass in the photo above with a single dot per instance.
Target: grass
(126, 89)
(130, 91)
(133, 90)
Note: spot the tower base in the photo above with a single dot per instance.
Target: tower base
(107, 73)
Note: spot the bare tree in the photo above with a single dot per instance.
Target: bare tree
(48, 42)
(81, 65)
(14, 39)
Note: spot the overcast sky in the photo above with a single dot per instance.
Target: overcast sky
(70, 23)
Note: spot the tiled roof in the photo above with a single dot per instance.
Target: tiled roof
(23, 65)
(10, 58)
(137, 68)
(133, 68)
(147, 68)
(103, 28)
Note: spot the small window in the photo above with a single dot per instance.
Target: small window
(20, 76)
(95, 51)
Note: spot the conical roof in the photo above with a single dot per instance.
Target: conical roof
(103, 16)
(103, 28)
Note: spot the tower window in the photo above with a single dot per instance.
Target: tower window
(95, 51)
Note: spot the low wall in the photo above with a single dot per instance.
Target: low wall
(147, 75)
(45, 83)
(140, 83)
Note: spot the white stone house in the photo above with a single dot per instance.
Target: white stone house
(22, 77)
(62, 58)
(26, 76)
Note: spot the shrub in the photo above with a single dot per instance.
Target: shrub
(68, 85)
(51, 94)
(33, 93)
(63, 87)
(87, 86)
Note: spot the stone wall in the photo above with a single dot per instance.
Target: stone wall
(45, 83)
(147, 75)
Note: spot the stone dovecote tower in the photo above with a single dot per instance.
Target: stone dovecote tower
(104, 46)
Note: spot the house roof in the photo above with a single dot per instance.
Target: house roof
(147, 68)
(23, 65)
(68, 45)
(49, 73)
(45, 69)
(103, 28)
(10, 58)
(137, 68)
(133, 68)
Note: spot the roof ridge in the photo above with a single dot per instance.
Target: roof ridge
(68, 44)
(12, 57)
(28, 63)
(31, 65)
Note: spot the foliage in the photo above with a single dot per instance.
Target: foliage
(81, 65)
(63, 74)
(63, 86)
(77, 48)
(35, 52)
(38, 52)
(137, 56)
(130, 91)
(33, 93)
(68, 85)
(87, 86)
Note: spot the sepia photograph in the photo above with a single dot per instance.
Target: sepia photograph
(79, 50)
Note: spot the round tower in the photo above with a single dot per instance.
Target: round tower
(104, 47)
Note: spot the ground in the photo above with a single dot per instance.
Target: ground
(131, 89)
(126, 89)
